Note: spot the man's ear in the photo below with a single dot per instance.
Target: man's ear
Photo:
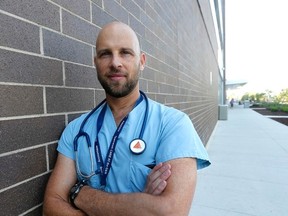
(142, 61)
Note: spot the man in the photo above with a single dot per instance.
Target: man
(125, 182)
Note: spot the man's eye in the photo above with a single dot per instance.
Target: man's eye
(103, 54)
(126, 52)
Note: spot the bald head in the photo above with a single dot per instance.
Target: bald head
(120, 34)
(118, 59)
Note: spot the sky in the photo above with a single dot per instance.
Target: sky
(257, 44)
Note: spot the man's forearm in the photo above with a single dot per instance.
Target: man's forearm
(95, 202)
(112, 204)
(175, 200)
(59, 207)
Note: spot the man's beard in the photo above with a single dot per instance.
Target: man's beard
(115, 90)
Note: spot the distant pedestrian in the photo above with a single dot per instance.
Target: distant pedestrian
(232, 102)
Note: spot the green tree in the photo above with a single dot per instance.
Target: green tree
(268, 95)
(245, 97)
(283, 96)
(260, 97)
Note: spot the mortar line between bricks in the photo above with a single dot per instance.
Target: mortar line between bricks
(53, 30)
(18, 17)
(43, 56)
(61, 21)
(74, 14)
(44, 101)
(40, 115)
(50, 86)
(47, 158)
(63, 73)
(31, 209)
(41, 41)
(26, 149)
(90, 7)
(22, 182)
(68, 36)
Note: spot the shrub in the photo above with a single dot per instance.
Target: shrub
(274, 108)
(284, 109)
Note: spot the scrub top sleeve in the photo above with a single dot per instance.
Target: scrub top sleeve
(65, 144)
(180, 139)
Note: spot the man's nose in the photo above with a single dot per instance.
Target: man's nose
(116, 61)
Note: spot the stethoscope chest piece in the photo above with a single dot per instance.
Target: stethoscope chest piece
(137, 146)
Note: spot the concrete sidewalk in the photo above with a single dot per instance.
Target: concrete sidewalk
(249, 171)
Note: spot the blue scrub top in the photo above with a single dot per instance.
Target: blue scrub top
(169, 134)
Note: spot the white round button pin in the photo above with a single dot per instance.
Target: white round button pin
(137, 146)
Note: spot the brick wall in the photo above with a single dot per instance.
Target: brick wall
(47, 77)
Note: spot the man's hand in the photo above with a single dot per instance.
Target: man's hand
(156, 180)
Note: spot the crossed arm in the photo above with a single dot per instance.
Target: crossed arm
(169, 191)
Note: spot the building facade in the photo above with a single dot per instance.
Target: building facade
(47, 76)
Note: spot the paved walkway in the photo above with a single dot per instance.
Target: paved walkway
(249, 171)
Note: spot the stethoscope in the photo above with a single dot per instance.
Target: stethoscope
(137, 146)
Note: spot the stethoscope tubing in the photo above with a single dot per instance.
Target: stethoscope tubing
(82, 133)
